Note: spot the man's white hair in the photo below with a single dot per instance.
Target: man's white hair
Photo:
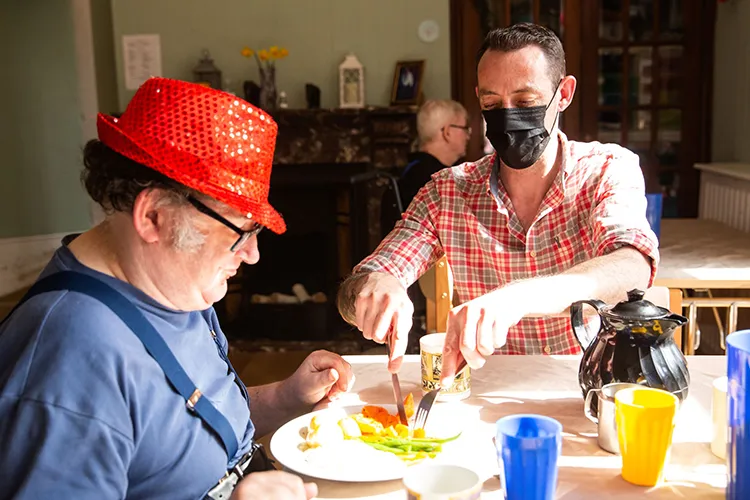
(185, 236)
(436, 114)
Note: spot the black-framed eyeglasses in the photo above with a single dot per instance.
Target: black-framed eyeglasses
(244, 235)
(465, 128)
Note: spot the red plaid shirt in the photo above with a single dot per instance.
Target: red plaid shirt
(595, 206)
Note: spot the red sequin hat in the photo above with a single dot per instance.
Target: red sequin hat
(203, 138)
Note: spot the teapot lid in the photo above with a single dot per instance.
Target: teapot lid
(636, 308)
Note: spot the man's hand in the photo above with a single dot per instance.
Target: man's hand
(383, 308)
(477, 328)
(274, 485)
(322, 376)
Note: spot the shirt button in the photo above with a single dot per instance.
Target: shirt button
(547, 349)
(533, 254)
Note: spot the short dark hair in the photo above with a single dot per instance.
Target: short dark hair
(114, 181)
(522, 35)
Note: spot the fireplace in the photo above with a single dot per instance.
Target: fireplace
(332, 220)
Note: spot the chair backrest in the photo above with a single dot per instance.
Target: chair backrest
(437, 286)
(659, 295)
(669, 298)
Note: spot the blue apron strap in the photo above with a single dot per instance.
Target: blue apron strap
(210, 321)
(152, 341)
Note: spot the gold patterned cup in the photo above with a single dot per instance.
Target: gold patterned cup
(431, 353)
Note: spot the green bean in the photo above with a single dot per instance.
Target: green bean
(407, 448)
(389, 449)
(431, 440)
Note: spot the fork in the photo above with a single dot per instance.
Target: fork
(423, 410)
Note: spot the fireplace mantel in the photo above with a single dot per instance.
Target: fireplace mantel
(379, 137)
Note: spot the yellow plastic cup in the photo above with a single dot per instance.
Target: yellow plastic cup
(645, 423)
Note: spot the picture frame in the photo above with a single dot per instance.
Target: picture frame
(407, 83)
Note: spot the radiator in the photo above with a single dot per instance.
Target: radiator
(725, 198)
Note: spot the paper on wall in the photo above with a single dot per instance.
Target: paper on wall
(142, 59)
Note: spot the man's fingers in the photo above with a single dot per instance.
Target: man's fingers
(368, 321)
(311, 490)
(361, 304)
(485, 334)
(500, 337)
(466, 322)
(382, 322)
(327, 362)
(451, 354)
(401, 324)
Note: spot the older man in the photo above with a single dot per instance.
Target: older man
(540, 224)
(114, 378)
(444, 131)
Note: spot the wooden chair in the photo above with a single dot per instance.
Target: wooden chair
(668, 298)
(437, 286)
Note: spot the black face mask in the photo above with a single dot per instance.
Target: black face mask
(518, 134)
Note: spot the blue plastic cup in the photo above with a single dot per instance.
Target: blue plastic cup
(528, 447)
(738, 411)
(654, 211)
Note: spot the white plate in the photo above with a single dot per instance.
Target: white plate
(349, 461)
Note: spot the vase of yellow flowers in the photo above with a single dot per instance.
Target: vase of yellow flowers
(266, 59)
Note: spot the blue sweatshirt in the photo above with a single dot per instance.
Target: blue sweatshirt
(86, 413)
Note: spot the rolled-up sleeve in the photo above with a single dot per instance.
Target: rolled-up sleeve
(618, 217)
(413, 246)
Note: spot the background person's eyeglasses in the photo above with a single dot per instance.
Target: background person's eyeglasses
(244, 235)
(465, 128)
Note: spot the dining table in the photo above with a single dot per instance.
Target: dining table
(706, 256)
(702, 254)
(544, 385)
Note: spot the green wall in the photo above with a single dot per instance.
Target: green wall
(731, 100)
(318, 34)
(104, 56)
(40, 122)
(40, 112)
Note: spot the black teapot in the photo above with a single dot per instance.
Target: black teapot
(634, 344)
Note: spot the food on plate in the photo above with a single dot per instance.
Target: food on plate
(377, 428)
(322, 430)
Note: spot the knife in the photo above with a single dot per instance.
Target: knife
(396, 387)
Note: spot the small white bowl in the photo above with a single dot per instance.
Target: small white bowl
(442, 482)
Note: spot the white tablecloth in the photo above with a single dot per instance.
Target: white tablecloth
(548, 385)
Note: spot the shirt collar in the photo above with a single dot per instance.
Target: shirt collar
(493, 179)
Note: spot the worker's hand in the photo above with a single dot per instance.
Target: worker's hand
(383, 308)
(477, 328)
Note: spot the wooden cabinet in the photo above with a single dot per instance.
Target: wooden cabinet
(644, 70)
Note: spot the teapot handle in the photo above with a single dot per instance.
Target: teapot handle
(583, 336)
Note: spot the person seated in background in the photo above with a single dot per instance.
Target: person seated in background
(100, 403)
(539, 224)
(444, 132)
